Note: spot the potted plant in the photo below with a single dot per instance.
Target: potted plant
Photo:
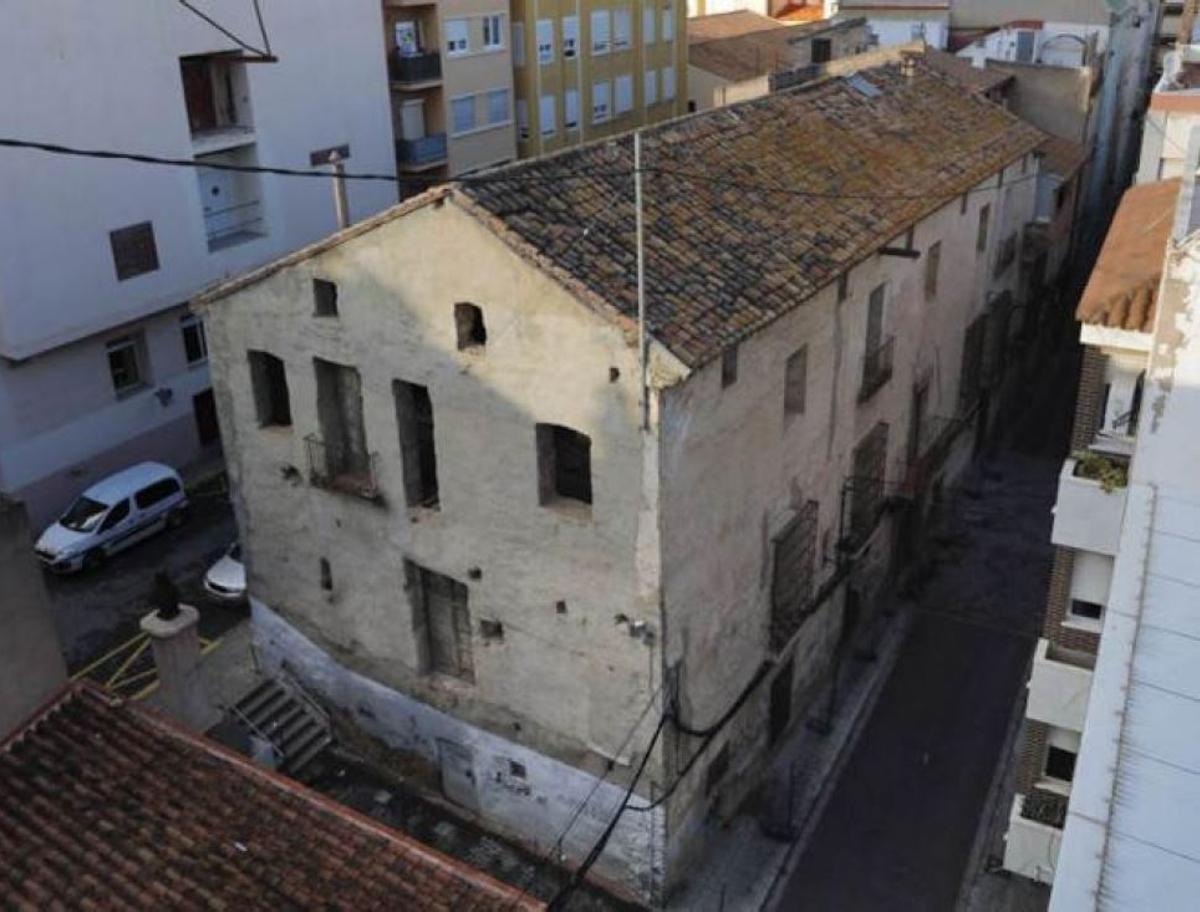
(1110, 471)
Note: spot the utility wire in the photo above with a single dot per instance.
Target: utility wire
(497, 177)
(258, 52)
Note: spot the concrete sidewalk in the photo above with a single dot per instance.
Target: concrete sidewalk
(741, 863)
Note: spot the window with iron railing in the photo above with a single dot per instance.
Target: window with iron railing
(866, 486)
(1006, 253)
(877, 369)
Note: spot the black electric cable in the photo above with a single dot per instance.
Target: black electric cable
(258, 52)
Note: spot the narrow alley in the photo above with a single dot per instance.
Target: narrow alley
(899, 829)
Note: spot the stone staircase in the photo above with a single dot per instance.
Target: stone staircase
(281, 714)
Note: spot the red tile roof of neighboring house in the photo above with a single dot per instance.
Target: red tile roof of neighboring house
(1062, 157)
(976, 78)
(1123, 289)
(801, 12)
(105, 805)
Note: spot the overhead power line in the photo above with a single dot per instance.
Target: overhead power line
(263, 52)
(498, 177)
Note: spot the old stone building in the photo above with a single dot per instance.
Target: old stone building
(509, 540)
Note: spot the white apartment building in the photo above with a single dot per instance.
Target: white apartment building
(101, 362)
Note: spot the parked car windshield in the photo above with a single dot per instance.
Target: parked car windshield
(83, 515)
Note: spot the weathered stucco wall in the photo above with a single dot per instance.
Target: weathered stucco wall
(735, 468)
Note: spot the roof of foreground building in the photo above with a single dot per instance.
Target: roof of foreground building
(105, 805)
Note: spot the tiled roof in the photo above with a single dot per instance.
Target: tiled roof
(977, 78)
(104, 805)
(1062, 157)
(1123, 288)
(801, 12)
(725, 255)
(743, 45)
(729, 25)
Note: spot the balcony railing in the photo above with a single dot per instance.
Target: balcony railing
(933, 442)
(412, 68)
(234, 224)
(877, 369)
(1048, 808)
(1088, 511)
(1060, 683)
(338, 469)
(424, 152)
(1031, 846)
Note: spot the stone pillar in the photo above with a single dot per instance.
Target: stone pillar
(183, 691)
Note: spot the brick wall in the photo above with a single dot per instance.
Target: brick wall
(1032, 756)
(1089, 399)
(1057, 597)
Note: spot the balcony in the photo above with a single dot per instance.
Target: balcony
(221, 139)
(1059, 686)
(422, 154)
(877, 369)
(415, 71)
(1031, 846)
(1088, 512)
(331, 468)
(234, 224)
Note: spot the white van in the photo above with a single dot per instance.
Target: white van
(113, 514)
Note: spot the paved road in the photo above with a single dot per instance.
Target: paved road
(95, 611)
(898, 830)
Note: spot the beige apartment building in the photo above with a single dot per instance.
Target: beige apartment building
(450, 68)
(514, 544)
(585, 69)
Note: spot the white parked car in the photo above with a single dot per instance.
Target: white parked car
(113, 514)
(226, 579)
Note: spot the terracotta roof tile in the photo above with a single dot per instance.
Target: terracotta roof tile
(973, 77)
(726, 255)
(104, 805)
(729, 25)
(1123, 288)
(1061, 156)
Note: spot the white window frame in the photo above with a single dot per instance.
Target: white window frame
(135, 343)
(570, 37)
(489, 98)
(602, 113)
(601, 36)
(649, 88)
(493, 28)
(545, 41)
(518, 43)
(622, 28)
(193, 322)
(623, 94)
(570, 101)
(668, 22)
(668, 83)
(458, 37)
(548, 115)
(522, 119)
(454, 130)
(649, 24)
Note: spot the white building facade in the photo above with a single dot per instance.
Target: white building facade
(101, 363)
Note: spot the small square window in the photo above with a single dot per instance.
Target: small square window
(325, 298)
(564, 464)
(491, 630)
(1060, 764)
(1089, 610)
(195, 345)
(729, 365)
(268, 380)
(516, 770)
(468, 323)
(134, 251)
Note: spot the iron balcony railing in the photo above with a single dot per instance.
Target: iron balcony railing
(877, 369)
(1049, 808)
(232, 224)
(338, 468)
(427, 150)
(423, 67)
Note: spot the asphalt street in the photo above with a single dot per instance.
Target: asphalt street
(898, 830)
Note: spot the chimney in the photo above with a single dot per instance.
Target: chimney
(908, 63)
(172, 627)
(31, 661)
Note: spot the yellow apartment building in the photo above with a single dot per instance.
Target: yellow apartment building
(450, 66)
(583, 69)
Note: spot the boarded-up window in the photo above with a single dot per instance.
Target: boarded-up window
(792, 583)
(134, 251)
(933, 261)
(414, 421)
(340, 413)
(867, 483)
(971, 378)
(564, 464)
(268, 379)
(441, 622)
(795, 382)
